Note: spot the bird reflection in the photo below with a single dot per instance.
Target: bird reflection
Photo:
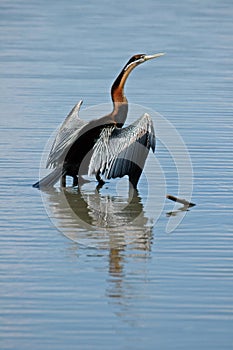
(118, 224)
(115, 262)
(100, 221)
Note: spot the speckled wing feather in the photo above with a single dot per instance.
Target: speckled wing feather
(66, 135)
(120, 152)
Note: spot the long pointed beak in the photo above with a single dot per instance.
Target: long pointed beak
(149, 57)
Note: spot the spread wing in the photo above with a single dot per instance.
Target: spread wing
(120, 152)
(65, 136)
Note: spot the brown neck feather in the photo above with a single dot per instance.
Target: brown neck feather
(120, 103)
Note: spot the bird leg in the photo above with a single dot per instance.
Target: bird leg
(75, 181)
(100, 181)
(63, 181)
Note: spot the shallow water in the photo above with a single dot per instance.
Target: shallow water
(76, 278)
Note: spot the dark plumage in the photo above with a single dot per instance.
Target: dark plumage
(102, 146)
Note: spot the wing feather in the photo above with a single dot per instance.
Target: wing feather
(65, 136)
(119, 152)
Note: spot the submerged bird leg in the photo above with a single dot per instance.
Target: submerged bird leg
(134, 177)
(75, 181)
(133, 193)
(100, 181)
(63, 181)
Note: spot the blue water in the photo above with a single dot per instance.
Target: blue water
(71, 284)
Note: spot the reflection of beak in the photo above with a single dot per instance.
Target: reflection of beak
(150, 57)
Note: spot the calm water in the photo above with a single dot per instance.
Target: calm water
(67, 279)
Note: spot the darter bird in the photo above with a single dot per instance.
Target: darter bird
(102, 147)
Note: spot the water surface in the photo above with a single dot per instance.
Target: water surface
(66, 285)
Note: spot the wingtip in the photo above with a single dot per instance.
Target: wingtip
(78, 105)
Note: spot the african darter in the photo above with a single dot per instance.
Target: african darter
(102, 146)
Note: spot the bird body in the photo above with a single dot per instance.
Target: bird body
(119, 152)
(102, 146)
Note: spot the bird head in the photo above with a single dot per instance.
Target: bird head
(117, 91)
(140, 58)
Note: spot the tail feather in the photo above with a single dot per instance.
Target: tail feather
(49, 180)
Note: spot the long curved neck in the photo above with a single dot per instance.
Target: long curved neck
(120, 103)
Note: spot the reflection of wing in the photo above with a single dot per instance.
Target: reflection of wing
(100, 221)
(65, 137)
(120, 152)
